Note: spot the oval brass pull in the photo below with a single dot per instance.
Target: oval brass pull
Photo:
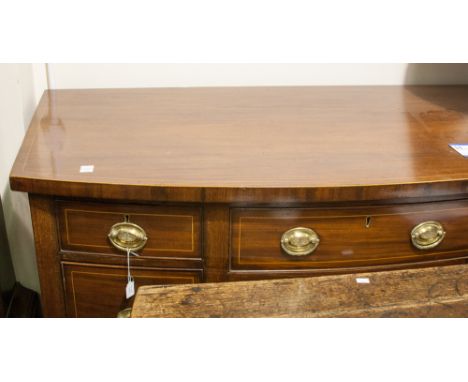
(127, 236)
(300, 241)
(427, 235)
(126, 313)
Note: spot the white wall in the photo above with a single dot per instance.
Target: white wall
(21, 86)
(176, 75)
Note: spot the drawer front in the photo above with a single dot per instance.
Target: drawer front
(170, 231)
(346, 237)
(99, 291)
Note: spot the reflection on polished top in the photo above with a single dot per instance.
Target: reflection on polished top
(247, 144)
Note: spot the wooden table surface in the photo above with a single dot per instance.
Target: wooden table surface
(247, 144)
(426, 292)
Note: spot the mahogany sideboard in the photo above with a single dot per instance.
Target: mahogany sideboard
(227, 184)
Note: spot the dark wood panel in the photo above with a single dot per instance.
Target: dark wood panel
(99, 291)
(430, 292)
(286, 144)
(349, 237)
(172, 231)
(216, 242)
(47, 255)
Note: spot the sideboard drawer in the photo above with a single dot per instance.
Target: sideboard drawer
(171, 231)
(346, 237)
(99, 291)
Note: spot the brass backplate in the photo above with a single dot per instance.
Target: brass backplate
(127, 236)
(300, 241)
(427, 235)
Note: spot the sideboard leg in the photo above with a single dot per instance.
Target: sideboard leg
(47, 255)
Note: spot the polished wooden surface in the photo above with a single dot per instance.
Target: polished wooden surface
(99, 291)
(349, 236)
(430, 292)
(173, 232)
(248, 144)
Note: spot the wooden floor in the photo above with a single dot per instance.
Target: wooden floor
(428, 292)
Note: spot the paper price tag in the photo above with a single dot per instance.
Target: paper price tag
(87, 169)
(362, 280)
(130, 288)
(461, 149)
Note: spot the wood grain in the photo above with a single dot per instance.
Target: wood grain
(349, 236)
(216, 246)
(47, 255)
(99, 291)
(430, 292)
(256, 145)
(172, 231)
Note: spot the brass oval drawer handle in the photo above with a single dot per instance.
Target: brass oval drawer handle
(127, 236)
(427, 235)
(126, 313)
(300, 241)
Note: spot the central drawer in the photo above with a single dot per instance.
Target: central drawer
(171, 231)
(346, 237)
